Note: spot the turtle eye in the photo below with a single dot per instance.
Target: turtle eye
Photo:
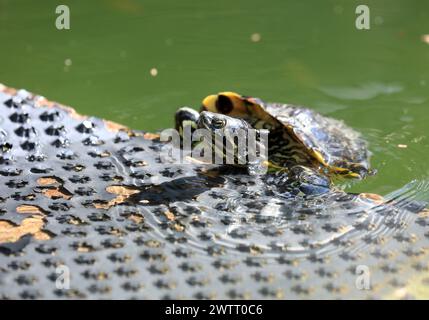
(218, 123)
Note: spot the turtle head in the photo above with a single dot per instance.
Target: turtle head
(219, 124)
(228, 103)
(230, 140)
(186, 116)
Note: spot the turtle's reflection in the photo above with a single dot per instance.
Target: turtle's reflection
(181, 189)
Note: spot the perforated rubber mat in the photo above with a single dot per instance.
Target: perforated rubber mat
(94, 197)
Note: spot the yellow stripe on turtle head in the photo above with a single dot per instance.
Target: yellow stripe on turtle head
(229, 103)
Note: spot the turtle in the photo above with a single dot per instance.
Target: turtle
(304, 179)
(86, 197)
(292, 144)
(298, 135)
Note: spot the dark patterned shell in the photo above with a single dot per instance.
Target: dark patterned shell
(339, 145)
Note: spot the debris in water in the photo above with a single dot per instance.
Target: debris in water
(255, 37)
(425, 38)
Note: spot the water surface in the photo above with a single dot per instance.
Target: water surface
(135, 62)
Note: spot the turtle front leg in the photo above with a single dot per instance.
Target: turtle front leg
(186, 122)
(186, 116)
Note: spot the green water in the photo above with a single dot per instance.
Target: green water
(309, 52)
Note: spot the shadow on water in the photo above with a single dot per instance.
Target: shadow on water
(188, 188)
(181, 189)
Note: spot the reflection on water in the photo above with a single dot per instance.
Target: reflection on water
(366, 91)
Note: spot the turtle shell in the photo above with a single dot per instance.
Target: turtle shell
(330, 141)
